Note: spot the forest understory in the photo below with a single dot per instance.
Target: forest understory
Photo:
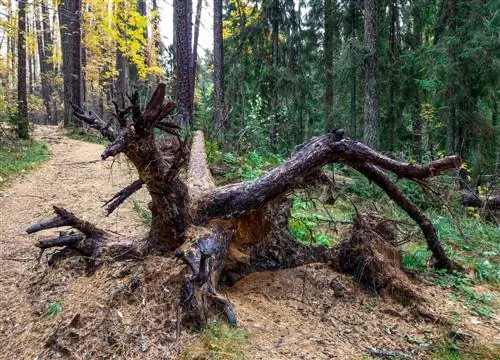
(130, 309)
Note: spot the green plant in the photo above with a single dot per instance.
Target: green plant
(371, 304)
(83, 133)
(417, 258)
(448, 350)
(52, 309)
(19, 157)
(144, 214)
(219, 341)
(462, 291)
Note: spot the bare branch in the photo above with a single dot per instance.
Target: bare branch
(95, 122)
(66, 218)
(63, 240)
(122, 195)
(383, 181)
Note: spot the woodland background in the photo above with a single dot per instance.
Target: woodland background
(417, 79)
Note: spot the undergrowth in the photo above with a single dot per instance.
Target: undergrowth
(19, 157)
(218, 341)
(84, 133)
(143, 212)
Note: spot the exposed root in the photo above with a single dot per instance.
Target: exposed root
(93, 243)
(374, 261)
(205, 253)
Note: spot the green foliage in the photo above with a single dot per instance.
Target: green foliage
(448, 350)
(20, 157)
(240, 168)
(144, 214)
(219, 341)
(83, 133)
(462, 290)
(480, 248)
(417, 258)
(52, 309)
(312, 223)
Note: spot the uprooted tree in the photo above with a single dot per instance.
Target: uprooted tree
(225, 230)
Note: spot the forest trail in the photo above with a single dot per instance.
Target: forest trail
(291, 314)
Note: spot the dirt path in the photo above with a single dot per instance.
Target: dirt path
(290, 314)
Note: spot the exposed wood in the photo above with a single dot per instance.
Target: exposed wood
(199, 178)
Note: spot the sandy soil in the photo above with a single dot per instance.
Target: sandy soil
(290, 314)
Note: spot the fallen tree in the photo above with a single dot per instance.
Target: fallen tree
(232, 230)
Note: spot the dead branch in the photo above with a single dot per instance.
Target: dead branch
(95, 122)
(383, 181)
(122, 195)
(63, 240)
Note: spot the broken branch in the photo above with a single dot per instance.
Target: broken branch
(122, 195)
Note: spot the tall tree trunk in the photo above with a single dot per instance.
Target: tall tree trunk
(195, 45)
(30, 54)
(182, 40)
(417, 121)
(274, 83)
(77, 78)
(328, 61)
(155, 27)
(45, 53)
(220, 121)
(393, 11)
(371, 135)
(354, 76)
(451, 121)
(22, 101)
(66, 28)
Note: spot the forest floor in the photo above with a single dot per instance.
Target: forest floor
(62, 312)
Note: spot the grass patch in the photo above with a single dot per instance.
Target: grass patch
(20, 157)
(461, 287)
(84, 133)
(218, 341)
(144, 214)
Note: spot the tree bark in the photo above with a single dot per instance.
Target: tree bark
(183, 59)
(69, 26)
(354, 77)
(44, 37)
(275, 28)
(197, 21)
(328, 61)
(371, 125)
(22, 101)
(220, 120)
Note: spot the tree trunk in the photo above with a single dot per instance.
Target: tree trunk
(66, 28)
(220, 121)
(195, 45)
(354, 76)
(183, 55)
(22, 101)
(273, 130)
(391, 119)
(371, 135)
(329, 53)
(214, 229)
(44, 37)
